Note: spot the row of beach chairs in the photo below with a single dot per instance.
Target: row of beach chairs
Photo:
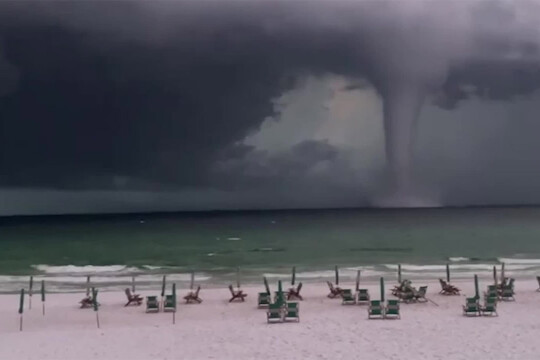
(282, 310)
(377, 310)
(264, 298)
(472, 307)
(169, 302)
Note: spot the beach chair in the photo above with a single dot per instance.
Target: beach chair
(471, 307)
(263, 299)
(375, 310)
(538, 279)
(237, 294)
(447, 289)
(87, 302)
(507, 292)
(274, 313)
(491, 292)
(502, 284)
(292, 312)
(334, 291)
(363, 296)
(295, 293)
(402, 287)
(152, 304)
(490, 306)
(169, 303)
(392, 310)
(407, 296)
(193, 296)
(134, 299)
(348, 297)
(420, 295)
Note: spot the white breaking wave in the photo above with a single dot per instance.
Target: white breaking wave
(459, 267)
(519, 261)
(344, 273)
(458, 259)
(86, 269)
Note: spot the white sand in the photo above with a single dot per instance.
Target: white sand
(216, 329)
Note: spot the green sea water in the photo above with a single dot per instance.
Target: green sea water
(215, 244)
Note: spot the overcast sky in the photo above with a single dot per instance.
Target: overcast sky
(193, 105)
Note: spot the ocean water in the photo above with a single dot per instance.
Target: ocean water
(112, 249)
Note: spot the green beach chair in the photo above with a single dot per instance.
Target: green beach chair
(263, 300)
(152, 304)
(292, 312)
(471, 307)
(274, 313)
(490, 307)
(363, 296)
(375, 310)
(507, 292)
(347, 297)
(491, 291)
(169, 303)
(392, 310)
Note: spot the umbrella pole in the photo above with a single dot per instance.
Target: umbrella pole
(174, 317)
(21, 309)
(97, 318)
(43, 296)
(30, 292)
(399, 273)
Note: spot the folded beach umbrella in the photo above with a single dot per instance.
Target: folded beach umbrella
(30, 292)
(21, 309)
(43, 296)
(382, 289)
(337, 275)
(477, 292)
(281, 298)
(293, 275)
(163, 283)
(448, 272)
(238, 277)
(87, 285)
(266, 285)
(357, 280)
(96, 305)
(502, 272)
(399, 273)
(495, 275)
(174, 300)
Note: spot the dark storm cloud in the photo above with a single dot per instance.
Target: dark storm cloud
(152, 95)
(99, 100)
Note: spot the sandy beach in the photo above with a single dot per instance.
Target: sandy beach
(217, 329)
